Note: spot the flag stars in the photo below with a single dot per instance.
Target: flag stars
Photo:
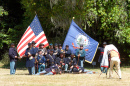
(35, 26)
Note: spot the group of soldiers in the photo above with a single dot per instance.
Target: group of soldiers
(54, 60)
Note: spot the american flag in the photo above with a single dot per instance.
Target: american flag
(35, 33)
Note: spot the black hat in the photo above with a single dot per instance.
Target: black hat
(41, 44)
(39, 50)
(59, 45)
(81, 45)
(12, 44)
(67, 45)
(33, 42)
(56, 44)
(29, 44)
(104, 43)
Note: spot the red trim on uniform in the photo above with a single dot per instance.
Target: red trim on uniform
(78, 67)
(102, 53)
(105, 66)
(53, 73)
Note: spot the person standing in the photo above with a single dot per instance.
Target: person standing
(30, 60)
(13, 59)
(34, 53)
(80, 54)
(103, 69)
(34, 49)
(114, 59)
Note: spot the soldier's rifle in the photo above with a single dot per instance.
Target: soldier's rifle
(78, 59)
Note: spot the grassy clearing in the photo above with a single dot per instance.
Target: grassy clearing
(23, 79)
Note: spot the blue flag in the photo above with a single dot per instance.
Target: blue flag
(75, 37)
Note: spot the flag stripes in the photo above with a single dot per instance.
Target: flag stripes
(30, 36)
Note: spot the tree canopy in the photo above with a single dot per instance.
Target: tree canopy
(103, 20)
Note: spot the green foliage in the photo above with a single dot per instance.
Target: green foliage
(3, 35)
(2, 11)
(5, 58)
(103, 20)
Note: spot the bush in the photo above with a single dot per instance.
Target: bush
(5, 58)
(6, 61)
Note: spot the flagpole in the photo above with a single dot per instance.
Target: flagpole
(35, 12)
(73, 18)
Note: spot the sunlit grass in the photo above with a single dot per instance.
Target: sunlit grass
(23, 79)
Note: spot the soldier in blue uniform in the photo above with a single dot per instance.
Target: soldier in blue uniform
(44, 50)
(13, 58)
(34, 53)
(80, 54)
(67, 51)
(52, 70)
(73, 59)
(50, 58)
(41, 61)
(55, 49)
(60, 50)
(104, 70)
(78, 69)
(50, 48)
(30, 60)
(34, 49)
(67, 57)
(61, 61)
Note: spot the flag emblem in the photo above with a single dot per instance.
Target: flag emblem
(77, 36)
(82, 39)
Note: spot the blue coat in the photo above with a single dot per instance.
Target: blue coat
(69, 60)
(41, 59)
(101, 54)
(81, 52)
(48, 51)
(12, 54)
(56, 51)
(73, 61)
(60, 61)
(51, 59)
(34, 51)
(29, 63)
(51, 67)
(67, 53)
(77, 69)
(59, 51)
